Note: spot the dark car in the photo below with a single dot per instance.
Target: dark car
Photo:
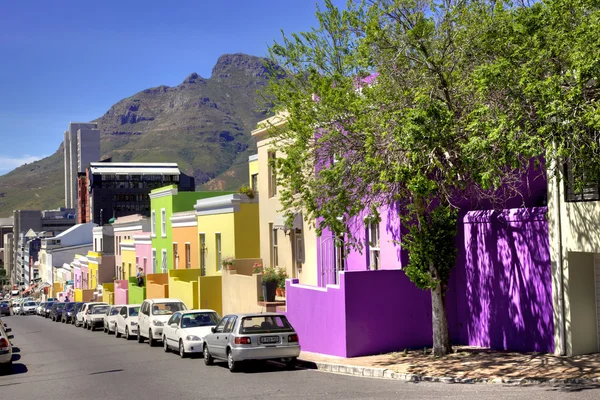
(67, 313)
(56, 311)
(78, 307)
(46, 312)
(4, 308)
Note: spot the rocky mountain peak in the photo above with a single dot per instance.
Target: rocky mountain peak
(194, 78)
(229, 63)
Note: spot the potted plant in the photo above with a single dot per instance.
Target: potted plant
(282, 276)
(228, 263)
(257, 268)
(270, 279)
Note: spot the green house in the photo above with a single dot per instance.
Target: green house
(164, 202)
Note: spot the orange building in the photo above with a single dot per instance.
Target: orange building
(186, 251)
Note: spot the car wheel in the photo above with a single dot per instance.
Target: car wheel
(165, 344)
(140, 339)
(118, 334)
(231, 364)
(151, 341)
(208, 358)
(182, 353)
(126, 332)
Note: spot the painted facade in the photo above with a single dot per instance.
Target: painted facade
(128, 266)
(163, 203)
(143, 251)
(289, 247)
(125, 228)
(185, 240)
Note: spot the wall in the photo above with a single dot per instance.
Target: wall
(500, 293)
(128, 259)
(183, 235)
(124, 229)
(108, 293)
(582, 304)
(106, 269)
(240, 292)
(121, 289)
(143, 251)
(136, 293)
(210, 225)
(210, 293)
(87, 294)
(78, 295)
(183, 284)
(247, 231)
(157, 286)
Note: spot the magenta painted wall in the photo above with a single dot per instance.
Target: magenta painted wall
(144, 250)
(500, 293)
(121, 292)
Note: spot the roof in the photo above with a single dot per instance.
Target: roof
(165, 300)
(134, 168)
(257, 314)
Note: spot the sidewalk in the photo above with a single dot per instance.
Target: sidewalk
(466, 365)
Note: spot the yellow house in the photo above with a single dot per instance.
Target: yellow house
(128, 265)
(290, 247)
(93, 261)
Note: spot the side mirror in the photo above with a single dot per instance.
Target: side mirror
(174, 326)
(213, 329)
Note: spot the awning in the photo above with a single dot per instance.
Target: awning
(280, 223)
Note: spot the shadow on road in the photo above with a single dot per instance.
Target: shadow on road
(574, 388)
(259, 367)
(17, 369)
(15, 349)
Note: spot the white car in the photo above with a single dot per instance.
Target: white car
(127, 321)
(27, 308)
(95, 318)
(110, 319)
(154, 314)
(185, 330)
(80, 319)
(5, 348)
(16, 306)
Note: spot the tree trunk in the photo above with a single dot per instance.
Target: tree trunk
(441, 338)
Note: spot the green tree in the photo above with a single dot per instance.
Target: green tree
(466, 95)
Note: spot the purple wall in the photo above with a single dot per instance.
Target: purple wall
(500, 293)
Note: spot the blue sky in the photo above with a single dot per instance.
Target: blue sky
(65, 61)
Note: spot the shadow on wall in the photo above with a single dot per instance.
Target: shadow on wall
(500, 293)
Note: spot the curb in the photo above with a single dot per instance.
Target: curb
(384, 373)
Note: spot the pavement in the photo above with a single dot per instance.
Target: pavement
(56, 361)
(465, 365)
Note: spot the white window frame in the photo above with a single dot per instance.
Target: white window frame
(163, 222)
(218, 246)
(175, 255)
(154, 262)
(202, 250)
(274, 246)
(153, 223)
(374, 247)
(272, 175)
(163, 264)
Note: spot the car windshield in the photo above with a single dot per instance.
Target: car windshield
(69, 306)
(49, 305)
(194, 320)
(60, 306)
(30, 303)
(167, 308)
(115, 310)
(133, 311)
(265, 324)
(99, 310)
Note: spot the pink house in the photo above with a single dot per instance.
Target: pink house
(124, 229)
(121, 292)
(143, 251)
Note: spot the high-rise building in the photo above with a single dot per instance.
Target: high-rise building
(81, 146)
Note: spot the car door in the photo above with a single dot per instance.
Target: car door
(228, 333)
(216, 340)
(121, 320)
(168, 329)
(144, 318)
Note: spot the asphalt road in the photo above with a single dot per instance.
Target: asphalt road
(57, 361)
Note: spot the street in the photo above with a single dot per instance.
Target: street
(58, 361)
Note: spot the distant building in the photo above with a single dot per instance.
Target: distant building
(6, 226)
(119, 189)
(81, 146)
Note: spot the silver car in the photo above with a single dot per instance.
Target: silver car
(242, 337)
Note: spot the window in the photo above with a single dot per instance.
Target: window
(163, 266)
(272, 175)
(202, 247)
(274, 247)
(153, 223)
(254, 182)
(175, 256)
(154, 266)
(373, 237)
(588, 192)
(163, 222)
(221, 325)
(137, 263)
(95, 244)
(123, 270)
(218, 244)
(230, 324)
(101, 245)
(131, 272)
(188, 256)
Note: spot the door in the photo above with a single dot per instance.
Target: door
(217, 339)
(143, 319)
(228, 333)
(121, 320)
(170, 332)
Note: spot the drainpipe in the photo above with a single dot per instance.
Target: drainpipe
(559, 258)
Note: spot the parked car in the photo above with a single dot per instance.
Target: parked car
(110, 319)
(154, 313)
(4, 308)
(127, 321)
(95, 318)
(78, 306)
(48, 307)
(40, 308)
(185, 330)
(83, 312)
(241, 337)
(56, 311)
(28, 308)
(16, 305)
(67, 313)
(5, 348)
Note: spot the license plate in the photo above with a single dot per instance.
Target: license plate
(269, 339)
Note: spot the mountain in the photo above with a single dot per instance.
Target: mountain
(203, 124)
